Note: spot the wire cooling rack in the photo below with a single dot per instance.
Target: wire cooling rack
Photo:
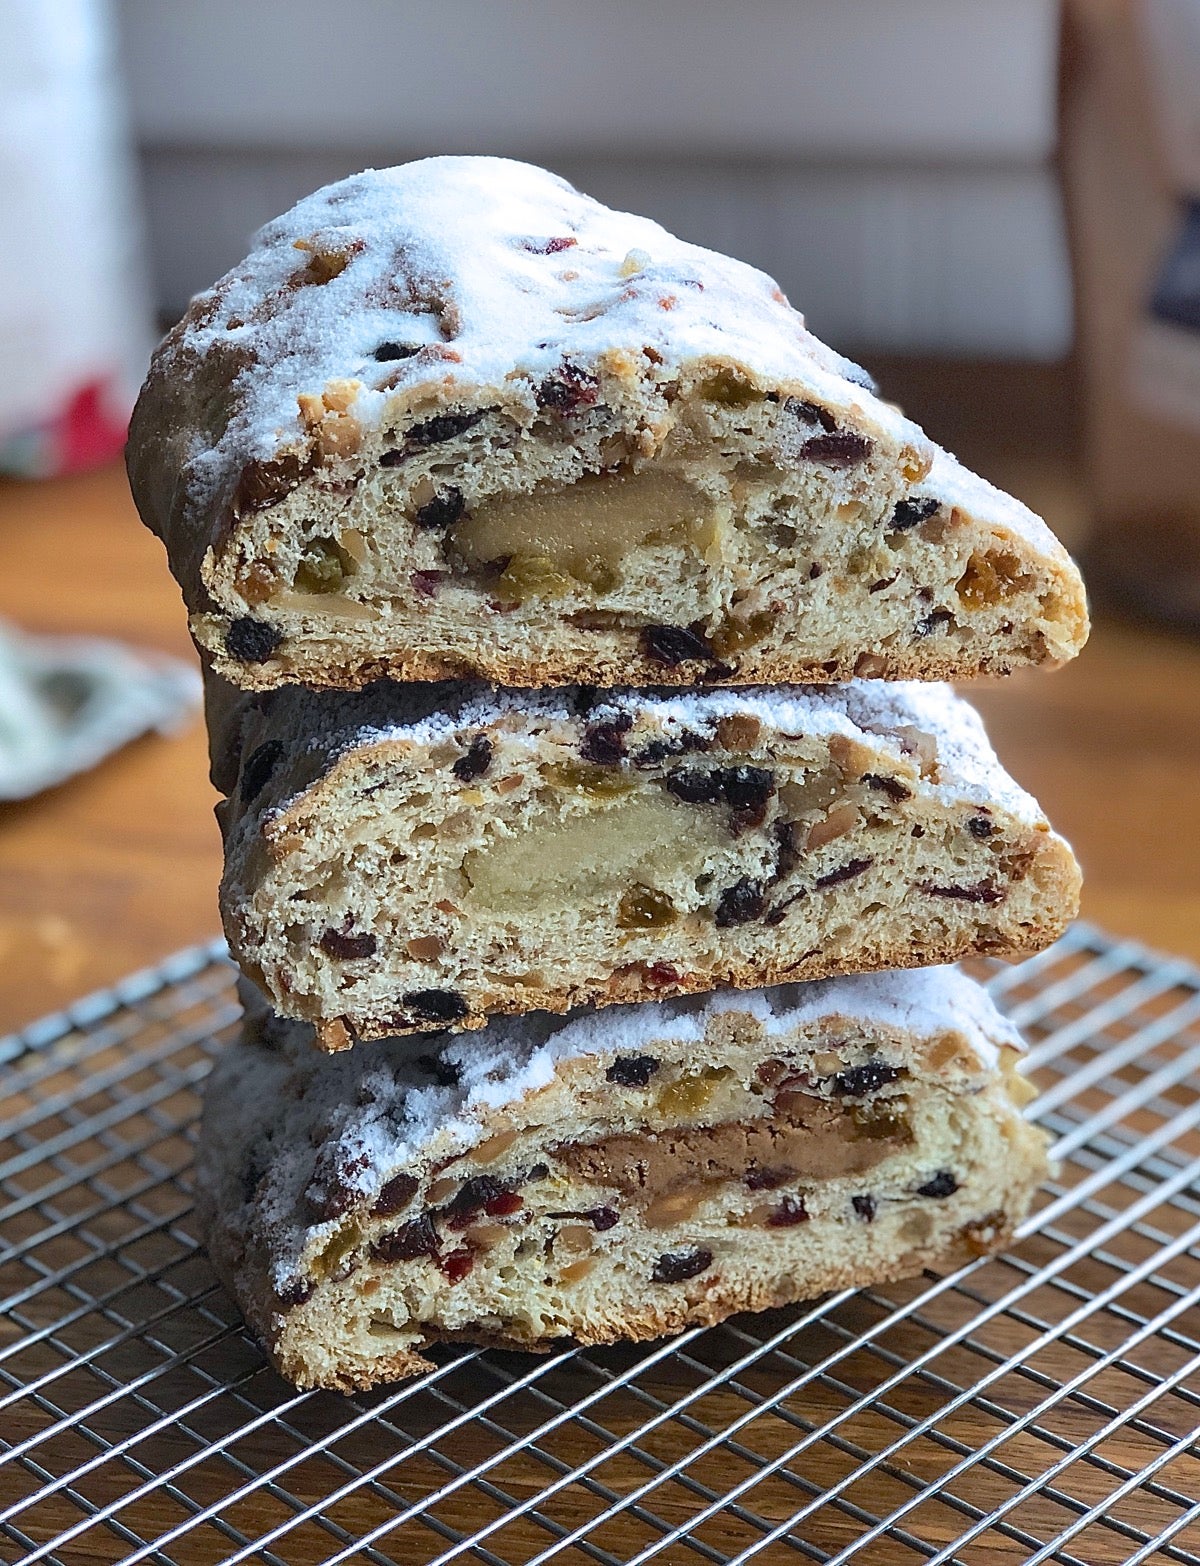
(1039, 1406)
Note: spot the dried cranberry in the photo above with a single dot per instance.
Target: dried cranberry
(604, 743)
(981, 892)
(679, 1266)
(632, 1070)
(659, 974)
(395, 1196)
(943, 1184)
(980, 826)
(412, 1240)
(386, 352)
(790, 1212)
(837, 448)
(251, 641)
(480, 1194)
(457, 1264)
(347, 947)
(865, 1207)
(931, 622)
(892, 787)
(445, 426)
(260, 764)
(440, 512)
(673, 644)
(436, 1005)
(504, 1205)
(911, 513)
(475, 761)
(568, 389)
(740, 903)
(857, 1081)
(844, 872)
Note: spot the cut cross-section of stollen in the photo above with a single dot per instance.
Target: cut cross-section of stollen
(416, 857)
(621, 1174)
(456, 419)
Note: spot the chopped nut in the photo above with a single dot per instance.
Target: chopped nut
(675, 1207)
(495, 1146)
(740, 731)
(836, 824)
(575, 1270)
(425, 948)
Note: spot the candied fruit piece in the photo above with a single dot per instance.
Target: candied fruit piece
(876, 1123)
(533, 576)
(337, 1251)
(688, 1096)
(730, 391)
(645, 908)
(594, 782)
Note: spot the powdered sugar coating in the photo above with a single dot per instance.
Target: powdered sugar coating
(380, 1109)
(476, 270)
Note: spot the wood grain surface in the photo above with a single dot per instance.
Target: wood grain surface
(118, 868)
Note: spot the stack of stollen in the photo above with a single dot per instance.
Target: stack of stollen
(508, 1073)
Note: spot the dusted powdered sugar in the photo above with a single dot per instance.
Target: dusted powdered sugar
(878, 712)
(379, 1109)
(473, 271)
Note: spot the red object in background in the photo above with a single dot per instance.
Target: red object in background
(88, 433)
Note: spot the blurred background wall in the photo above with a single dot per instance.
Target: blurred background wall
(890, 161)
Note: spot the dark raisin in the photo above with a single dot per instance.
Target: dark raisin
(567, 390)
(436, 1005)
(679, 1266)
(767, 1179)
(445, 426)
(931, 622)
(942, 1184)
(787, 849)
(672, 644)
(260, 764)
(395, 1196)
(740, 903)
(426, 583)
(295, 1292)
(865, 1207)
(346, 946)
(981, 892)
(604, 1218)
(693, 786)
(418, 1237)
(263, 483)
(475, 761)
(790, 1212)
(884, 581)
(335, 1189)
(604, 743)
(481, 1194)
(746, 788)
(844, 872)
(892, 787)
(538, 1172)
(780, 912)
(679, 744)
(442, 511)
(980, 826)
(632, 1070)
(811, 413)
(393, 458)
(857, 1081)
(386, 352)
(911, 513)
(457, 1264)
(251, 641)
(444, 1072)
(837, 448)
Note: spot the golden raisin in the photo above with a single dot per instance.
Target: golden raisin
(581, 778)
(324, 567)
(644, 908)
(533, 576)
(737, 634)
(990, 578)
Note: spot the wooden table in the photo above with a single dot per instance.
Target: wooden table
(118, 868)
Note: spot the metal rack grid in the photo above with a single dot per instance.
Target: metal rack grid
(1038, 1406)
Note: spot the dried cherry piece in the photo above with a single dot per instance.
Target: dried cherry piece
(740, 903)
(673, 644)
(416, 1238)
(395, 1195)
(442, 511)
(475, 760)
(346, 946)
(632, 1070)
(480, 1194)
(436, 1005)
(943, 1184)
(457, 1264)
(604, 742)
(679, 1266)
(844, 872)
(837, 448)
(251, 641)
(858, 1081)
(260, 764)
(911, 513)
(865, 1207)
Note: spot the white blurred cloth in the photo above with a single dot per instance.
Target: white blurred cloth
(67, 702)
(75, 324)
